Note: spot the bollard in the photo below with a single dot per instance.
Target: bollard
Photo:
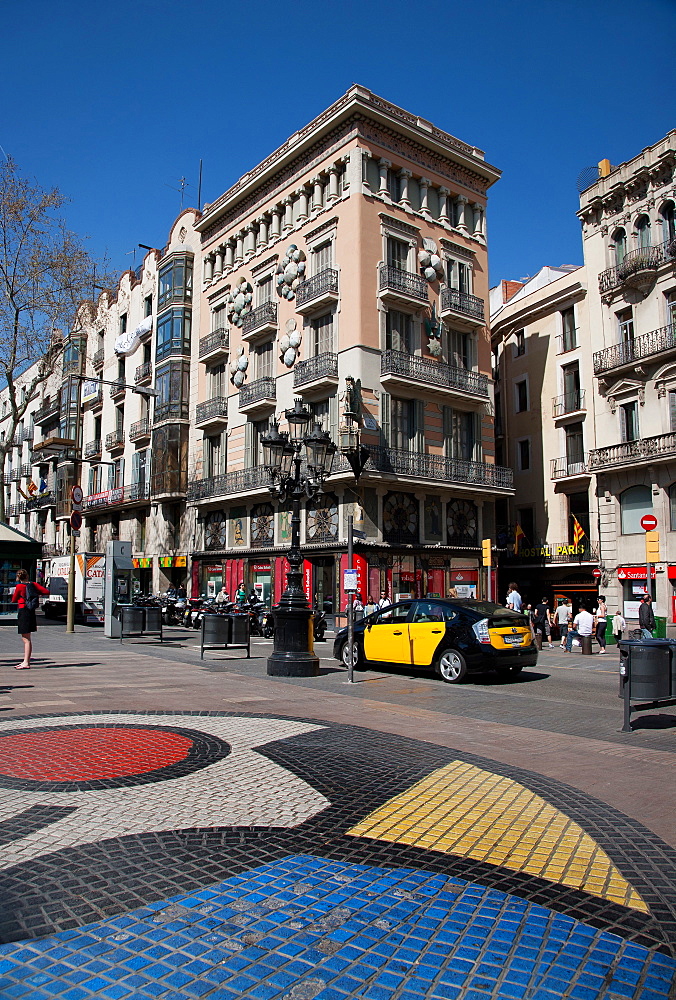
(538, 640)
(586, 641)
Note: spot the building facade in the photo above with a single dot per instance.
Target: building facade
(357, 249)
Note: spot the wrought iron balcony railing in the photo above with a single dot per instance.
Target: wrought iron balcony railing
(114, 440)
(630, 351)
(143, 371)
(254, 392)
(239, 481)
(218, 340)
(563, 467)
(636, 261)
(449, 470)
(118, 387)
(407, 282)
(436, 373)
(139, 430)
(212, 409)
(172, 481)
(569, 402)
(321, 366)
(320, 284)
(174, 409)
(630, 452)
(133, 493)
(98, 358)
(462, 302)
(49, 550)
(263, 315)
(47, 412)
(15, 509)
(92, 448)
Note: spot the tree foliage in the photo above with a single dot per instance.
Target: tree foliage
(45, 273)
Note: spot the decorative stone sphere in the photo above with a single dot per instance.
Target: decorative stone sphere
(289, 357)
(284, 343)
(294, 339)
(425, 258)
(430, 273)
(239, 379)
(243, 363)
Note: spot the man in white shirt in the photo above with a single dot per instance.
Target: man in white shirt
(384, 602)
(563, 620)
(513, 598)
(583, 624)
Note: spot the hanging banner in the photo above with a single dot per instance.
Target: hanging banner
(128, 341)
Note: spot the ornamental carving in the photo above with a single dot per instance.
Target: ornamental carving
(322, 519)
(238, 369)
(400, 518)
(431, 264)
(214, 530)
(289, 344)
(239, 302)
(262, 525)
(461, 522)
(290, 272)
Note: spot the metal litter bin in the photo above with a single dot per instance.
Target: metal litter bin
(153, 621)
(650, 668)
(131, 621)
(239, 630)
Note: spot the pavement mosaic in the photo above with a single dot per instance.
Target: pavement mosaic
(181, 854)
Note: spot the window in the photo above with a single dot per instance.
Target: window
(571, 388)
(218, 381)
(671, 310)
(397, 253)
(426, 611)
(96, 479)
(634, 504)
(629, 421)
(123, 323)
(169, 460)
(264, 359)
(218, 318)
(459, 275)
(404, 424)
(214, 455)
(668, 222)
(147, 354)
(140, 468)
(254, 430)
(322, 257)
(120, 369)
(519, 343)
(175, 282)
(625, 326)
(171, 383)
(173, 333)
(568, 331)
(462, 349)
(643, 232)
(148, 305)
(574, 448)
(394, 184)
(116, 474)
(398, 331)
(322, 334)
(525, 517)
(619, 245)
(119, 419)
(263, 293)
(461, 434)
(578, 505)
(521, 395)
(523, 454)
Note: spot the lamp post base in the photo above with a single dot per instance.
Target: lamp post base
(293, 654)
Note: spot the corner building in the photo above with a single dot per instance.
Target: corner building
(357, 249)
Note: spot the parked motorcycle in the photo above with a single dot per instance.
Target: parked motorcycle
(319, 625)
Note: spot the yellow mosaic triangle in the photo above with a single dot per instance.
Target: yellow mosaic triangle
(464, 810)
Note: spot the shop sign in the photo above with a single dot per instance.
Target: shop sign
(261, 567)
(214, 569)
(144, 562)
(180, 561)
(463, 576)
(634, 572)
(307, 581)
(167, 561)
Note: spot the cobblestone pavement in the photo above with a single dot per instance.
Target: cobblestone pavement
(312, 842)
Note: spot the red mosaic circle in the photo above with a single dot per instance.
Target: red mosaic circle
(90, 754)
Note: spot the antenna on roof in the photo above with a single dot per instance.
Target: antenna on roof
(181, 189)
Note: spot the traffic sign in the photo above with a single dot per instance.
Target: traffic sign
(349, 580)
(75, 506)
(76, 520)
(358, 534)
(76, 494)
(648, 522)
(596, 573)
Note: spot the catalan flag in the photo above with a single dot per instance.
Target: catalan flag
(578, 531)
(518, 535)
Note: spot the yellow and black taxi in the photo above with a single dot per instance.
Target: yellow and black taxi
(453, 637)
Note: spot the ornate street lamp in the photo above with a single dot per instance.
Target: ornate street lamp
(293, 653)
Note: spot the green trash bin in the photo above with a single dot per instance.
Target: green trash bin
(610, 637)
(660, 627)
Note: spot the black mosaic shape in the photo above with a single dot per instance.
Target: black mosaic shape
(31, 819)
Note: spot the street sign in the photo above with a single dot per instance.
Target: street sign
(76, 494)
(75, 506)
(358, 534)
(648, 522)
(349, 580)
(596, 573)
(76, 520)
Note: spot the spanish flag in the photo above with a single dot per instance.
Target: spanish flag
(518, 535)
(578, 531)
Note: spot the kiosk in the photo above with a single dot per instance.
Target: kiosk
(118, 586)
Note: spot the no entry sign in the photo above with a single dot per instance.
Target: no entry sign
(648, 522)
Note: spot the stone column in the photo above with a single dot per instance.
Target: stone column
(249, 240)
(239, 251)
(333, 182)
(405, 200)
(424, 190)
(218, 268)
(383, 166)
(263, 231)
(276, 221)
(462, 205)
(318, 191)
(229, 255)
(302, 193)
(365, 157)
(288, 214)
(478, 233)
(209, 268)
(346, 160)
(443, 205)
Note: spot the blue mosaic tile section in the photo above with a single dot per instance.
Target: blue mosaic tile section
(304, 927)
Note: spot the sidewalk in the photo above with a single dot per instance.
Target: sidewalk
(171, 828)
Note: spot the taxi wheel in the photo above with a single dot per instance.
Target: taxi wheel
(345, 656)
(451, 666)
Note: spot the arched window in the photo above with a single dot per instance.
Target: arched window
(672, 507)
(643, 231)
(634, 503)
(620, 243)
(668, 221)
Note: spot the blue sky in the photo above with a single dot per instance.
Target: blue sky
(114, 102)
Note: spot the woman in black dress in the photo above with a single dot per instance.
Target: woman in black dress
(26, 615)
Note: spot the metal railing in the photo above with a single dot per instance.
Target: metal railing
(629, 452)
(140, 429)
(569, 402)
(171, 481)
(45, 413)
(15, 509)
(45, 499)
(321, 366)
(98, 358)
(641, 259)
(450, 470)
(576, 465)
(143, 371)
(326, 282)
(92, 448)
(213, 341)
(239, 481)
(212, 408)
(174, 409)
(262, 388)
(118, 387)
(114, 440)
(542, 552)
(15, 475)
(49, 550)
(406, 282)
(133, 493)
(436, 373)
(644, 346)
(263, 315)
(462, 302)
(566, 342)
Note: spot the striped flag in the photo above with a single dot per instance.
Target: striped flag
(518, 535)
(578, 531)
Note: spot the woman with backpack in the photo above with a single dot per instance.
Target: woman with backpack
(27, 596)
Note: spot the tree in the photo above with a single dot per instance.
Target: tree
(45, 273)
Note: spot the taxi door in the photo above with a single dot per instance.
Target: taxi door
(426, 630)
(386, 637)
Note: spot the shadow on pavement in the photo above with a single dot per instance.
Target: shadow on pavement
(654, 722)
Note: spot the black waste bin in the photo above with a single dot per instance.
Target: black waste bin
(650, 665)
(153, 621)
(239, 634)
(131, 621)
(216, 632)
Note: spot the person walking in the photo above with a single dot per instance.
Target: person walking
(513, 597)
(563, 616)
(222, 597)
(542, 620)
(583, 625)
(452, 594)
(601, 618)
(646, 618)
(384, 601)
(370, 606)
(240, 596)
(619, 625)
(26, 597)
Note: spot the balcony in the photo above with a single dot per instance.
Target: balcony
(569, 403)
(115, 440)
(44, 499)
(135, 493)
(170, 484)
(261, 320)
(15, 475)
(462, 307)
(419, 465)
(98, 358)
(555, 553)
(569, 468)
(143, 373)
(259, 396)
(118, 387)
(174, 409)
(47, 413)
(15, 509)
(398, 286)
(212, 413)
(94, 399)
(215, 346)
(71, 367)
(638, 268)
(410, 374)
(320, 372)
(240, 481)
(662, 447)
(635, 350)
(92, 449)
(139, 430)
(318, 291)
(50, 550)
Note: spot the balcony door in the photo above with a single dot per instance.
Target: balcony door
(398, 331)
(397, 253)
(629, 421)
(571, 388)
(574, 448)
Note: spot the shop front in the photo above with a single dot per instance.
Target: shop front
(142, 578)
(633, 579)
(173, 572)
(17, 551)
